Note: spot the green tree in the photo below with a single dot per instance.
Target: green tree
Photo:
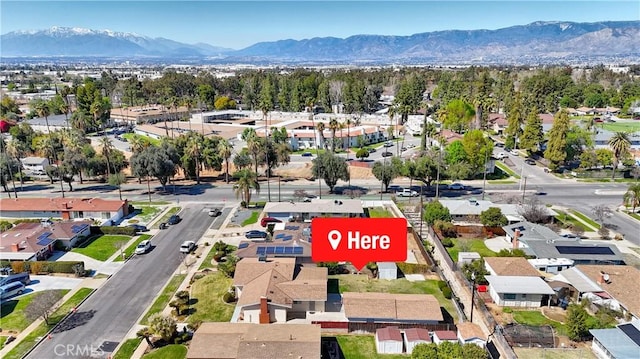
(224, 103)
(493, 217)
(477, 268)
(458, 115)
(604, 157)
(118, 179)
(576, 323)
(163, 326)
(631, 198)
(425, 351)
(385, 172)
(478, 149)
(532, 134)
(620, 145)
(331, 168)
(362, 154)
(472, 351)
(515, 119)
(556, 151)
(434, 211)
(226, 150)
(247, 181)
(455, 152)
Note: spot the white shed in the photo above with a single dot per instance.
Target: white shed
(440, 336)
(467, 257)
(415, 336)
(519, 291)
(387, 270)
(389, 340)
(470, 333)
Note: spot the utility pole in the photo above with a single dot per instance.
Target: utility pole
(484, 177)
(438, 174)
(473, 293)
(524, 189)
(267, 148)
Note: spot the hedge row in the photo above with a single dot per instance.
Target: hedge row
(127, 231)
(45, 267)
(413, 268)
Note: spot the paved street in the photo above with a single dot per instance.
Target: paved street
(106, 317)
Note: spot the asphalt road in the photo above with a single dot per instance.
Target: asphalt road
(108, 315)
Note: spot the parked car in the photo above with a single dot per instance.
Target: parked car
(12, 289)
(388, 144)
(570, 236)
(514, 152)
(139, 227)
(530, 161)
(502, 156)
(17, 277)
(309, 198)
(214, 212)
(266, 220)
(371, 149)
(500, 144)
(143, 247)
(456, 186)
(307, 154)
(407, 193)
(255, 234)
(387, 154)
(174, 219)
(187, 246)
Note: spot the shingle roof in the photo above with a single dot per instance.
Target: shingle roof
(623, 283)
(417, 334)
(389, 334)
(446, 334)
(419, 307)
(26, 235)
(514, 266)
(584, 251)
(468, 330)
(61, 204)
(316, 206)
(531, 231)
(519, 285)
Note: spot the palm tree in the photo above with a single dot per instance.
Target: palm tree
(137, 144)
(42, 109)
(193, 150)
(106, 149)
(255, 147)
(226, 150)
(620, 145)
(320, 127)
(189, 102)
(632, 197)
(334, 125)
(247, 180)
(348, 124)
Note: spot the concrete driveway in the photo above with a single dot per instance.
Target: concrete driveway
(46, 282)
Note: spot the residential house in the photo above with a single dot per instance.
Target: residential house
(620, 342)
(526, 231)
(602, 137)
(304, 211)
(469, 210)
(551, 265)
(470, 333)
(34, 164)
(387, 270)
(51, 123)
(547, 121)
(510, 266)
(391, 308)
(581, 111)
(388, 340)
(497, 122)
(279, 247)
(274, 289)
(415, 336)
(137, 115)
(519, 291)
(104, 210)
(440, 336)
(447, 137)
(250, 341)
(37, 241)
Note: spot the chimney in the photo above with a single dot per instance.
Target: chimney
(15, 247)
(264, 311)
(516, 239)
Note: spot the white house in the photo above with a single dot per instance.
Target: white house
(388, 340)
(387, 270)
(551, 265)
(470, 333)
(34, 164)
(467, 257)
(415, 336)
(465, 210)
(519, 291)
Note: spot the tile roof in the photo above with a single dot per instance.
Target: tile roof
(623, 283)
(419, 307)
(468, 330)
(61, 204)
(417, 334)
(389, 334)
(514, 266)
(249, 341)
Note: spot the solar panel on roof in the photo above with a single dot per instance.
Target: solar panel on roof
(279, 250)
(298, 250)
(243, 245)
(261, 250)
(45, 242)
(270, 250)
(78, 228)
(288, 250)
(631, 331)
(287, 238)
(584, 250)
(280, 235)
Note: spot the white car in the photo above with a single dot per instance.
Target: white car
(514, 152)
(407, 193)
(187, 246)
(502, 156)
(456, 186)
(143, 247)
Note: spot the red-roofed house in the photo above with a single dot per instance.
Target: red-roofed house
(64, 208)
(388, 340)
(498, 122)
(36, 241)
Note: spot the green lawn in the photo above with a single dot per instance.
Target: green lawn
(504, 168)
(147, 213)
(570, 220)
(379, 212)
(127, 348)
(621, 126)
(362, 347)
(129, 251)
(30, 340)
(535, 318)
(469, 245)
(149, 140)
(173, 351)
(208, 292)
(251, 220)
(3, 339)
(634, 215)
(501, 181)
(164, 298)
(207, 262)
(12, 313)
(101, 247)
(583, 217)
(146, 203)
(165, 217)
(362, 284)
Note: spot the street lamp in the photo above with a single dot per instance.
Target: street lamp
(524, 189)
(473, 293)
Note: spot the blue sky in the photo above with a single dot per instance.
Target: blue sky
(237, 24)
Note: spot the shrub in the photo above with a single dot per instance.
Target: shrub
(507, 310)
(49, 267)
(218, 256)
(446, 292)
(206, 244)
(229, 297)
(603, 232)
(127, 231)
(447, 229)
(442, 284)
(447, 242)
(413, 268)
(5, 225)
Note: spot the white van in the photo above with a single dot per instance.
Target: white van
(11, 289)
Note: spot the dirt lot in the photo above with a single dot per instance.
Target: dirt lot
(304, 171)
(582, 352)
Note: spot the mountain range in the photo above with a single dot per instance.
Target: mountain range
(535, 42)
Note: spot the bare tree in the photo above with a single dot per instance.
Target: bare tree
(603, 232)
(120, 245)
(42, 305)
(534, 211)
(300, 194)
(601, 212)
(577, 230)
(335, 92)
